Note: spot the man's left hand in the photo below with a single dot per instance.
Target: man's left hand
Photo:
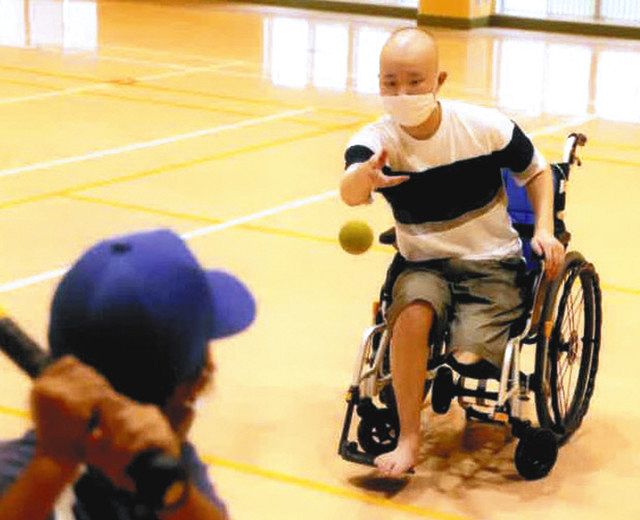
(545, 244)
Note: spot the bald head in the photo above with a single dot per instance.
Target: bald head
(411, 44)
(409, 57)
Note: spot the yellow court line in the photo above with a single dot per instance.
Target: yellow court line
(587, 158)
(200, 93)
(592, 144)
(207, 108)
(288, 233)
(135, 207)
(14, 412)
(457, 89)
(146, 63)
(70, 91)
(173, 104)
(621, 289)
(173, 90)
(176, 166)
(249, 469)
(156, 52)
(26, 83)
(463, 91)
(57, 75)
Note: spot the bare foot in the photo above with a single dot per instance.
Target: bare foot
(397, 462)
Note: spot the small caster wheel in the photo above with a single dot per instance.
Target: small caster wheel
(443, 390)
(536, 453)
(378, 431)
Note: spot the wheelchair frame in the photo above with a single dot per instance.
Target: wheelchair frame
(538, 446)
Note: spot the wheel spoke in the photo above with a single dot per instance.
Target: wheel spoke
(569, 389)
(571, 311)
(561, 401)
(580, 320)
(576, 323)
(564, 369)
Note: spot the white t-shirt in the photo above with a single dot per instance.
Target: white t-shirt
(454, 205)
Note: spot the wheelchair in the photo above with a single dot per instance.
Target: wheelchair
(562, 322)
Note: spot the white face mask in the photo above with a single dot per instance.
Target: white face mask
(410, 110)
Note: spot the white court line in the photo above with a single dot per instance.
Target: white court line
(152, 144)
(48, 275)
(57, 273)
(32, 280)
(157, 52)
(100, 56)
(576, 121)
(147, 63)
(100, 86)
(260, 214)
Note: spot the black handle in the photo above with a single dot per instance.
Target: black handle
(160, 480)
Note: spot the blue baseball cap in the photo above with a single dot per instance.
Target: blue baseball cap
(141, 310)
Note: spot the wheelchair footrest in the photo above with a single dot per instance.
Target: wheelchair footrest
(480, 394)
(445, 390)
(349, 451)
(472, 413)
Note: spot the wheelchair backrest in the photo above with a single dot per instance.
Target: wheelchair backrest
(522, 214)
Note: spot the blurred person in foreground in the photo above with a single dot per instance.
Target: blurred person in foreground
(130, 328)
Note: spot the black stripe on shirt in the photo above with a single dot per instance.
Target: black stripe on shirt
(446, 192)
(357, 154)
(518, 154)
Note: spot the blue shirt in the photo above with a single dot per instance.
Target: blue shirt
(16, 454)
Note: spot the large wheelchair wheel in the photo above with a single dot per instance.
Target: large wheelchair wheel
(568, 347)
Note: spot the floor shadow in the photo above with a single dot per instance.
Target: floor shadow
(388, 487)
(458, 455)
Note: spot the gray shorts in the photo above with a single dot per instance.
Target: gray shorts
(478, 300)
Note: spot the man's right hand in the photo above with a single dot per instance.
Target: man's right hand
(371, 172)
(63, 400)
(358, 183)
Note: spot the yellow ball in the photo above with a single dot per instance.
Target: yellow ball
(355, 237)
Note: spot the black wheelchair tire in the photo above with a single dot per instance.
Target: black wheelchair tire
(536, 453)
(549, 400)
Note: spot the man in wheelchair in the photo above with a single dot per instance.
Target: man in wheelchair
(438, 163)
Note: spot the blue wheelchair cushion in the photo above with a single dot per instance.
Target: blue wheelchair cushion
(521, 211)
